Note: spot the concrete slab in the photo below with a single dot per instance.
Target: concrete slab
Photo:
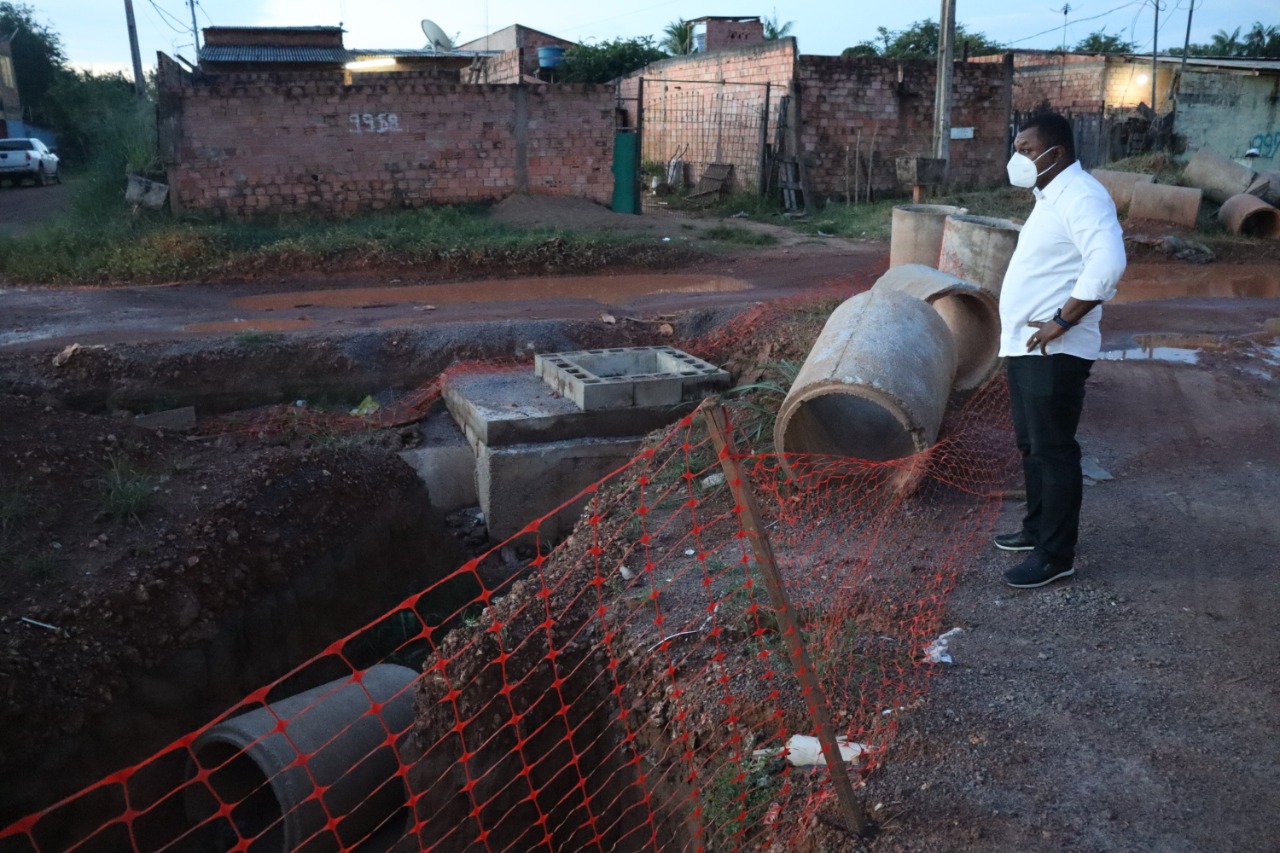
(623, 377)
(520, 483)
(504, 408)
(445, 462)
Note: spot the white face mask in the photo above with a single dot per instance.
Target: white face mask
(1022, 169)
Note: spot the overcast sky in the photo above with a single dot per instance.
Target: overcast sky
(95, 36)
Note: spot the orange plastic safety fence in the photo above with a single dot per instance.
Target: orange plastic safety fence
(627, 689)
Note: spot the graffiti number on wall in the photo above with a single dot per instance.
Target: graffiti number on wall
(375, 123)
(1268, 144)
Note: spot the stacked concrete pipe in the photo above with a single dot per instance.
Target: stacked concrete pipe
(1162, 203)
(348, 745)
(916, 233)
(1218, 177)
(876, 383)
(1120, 185)
(970, 312)
(1251, 216)
(978, 249)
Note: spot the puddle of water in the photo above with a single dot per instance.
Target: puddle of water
(251, 326)
(1178, 349)
(604, 289)
(1147, 282)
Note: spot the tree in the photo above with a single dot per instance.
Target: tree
(1225, 44)
(38, 58)
(1262, 41)
(920, 41)
(608, 60)
(677, 37)
(773, 30)
(1100, 42)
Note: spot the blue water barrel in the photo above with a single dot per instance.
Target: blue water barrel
(550, 57)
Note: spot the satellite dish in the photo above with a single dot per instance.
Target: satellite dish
(436, 38)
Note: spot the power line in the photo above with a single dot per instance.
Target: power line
(165, 18)
(1077, 21)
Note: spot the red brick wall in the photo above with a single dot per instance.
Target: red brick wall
(846, 104)
(726, 35)
(1070, 83)
(248, 145)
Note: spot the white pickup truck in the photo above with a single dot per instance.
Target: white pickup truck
(28, 158)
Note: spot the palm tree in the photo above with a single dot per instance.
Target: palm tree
(1226, 44)
(1261, 41)
(677, 37)
(773, 30)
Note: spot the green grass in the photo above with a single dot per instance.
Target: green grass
(126, 493)
(114, 245)
(254, 338)
(738, 235)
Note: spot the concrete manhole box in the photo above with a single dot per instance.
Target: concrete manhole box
(626, 377)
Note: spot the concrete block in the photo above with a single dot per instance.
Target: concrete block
(520, 483)
(506, 407)
(445, 463)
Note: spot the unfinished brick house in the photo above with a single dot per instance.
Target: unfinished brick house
(1228, 105)
(287, 120)
(843, 121)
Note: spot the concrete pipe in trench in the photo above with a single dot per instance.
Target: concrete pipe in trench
(916, 233)
(970, 312)
(350, 752)
(1162, 203)
(1250, 216)
(875, 384)
(1120, 185)
(1219, 177)
(978, 248)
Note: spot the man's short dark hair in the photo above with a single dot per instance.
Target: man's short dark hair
(1053, 130)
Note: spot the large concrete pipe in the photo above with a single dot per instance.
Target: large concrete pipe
(348, 744)
(1251, 216)
(875, 384)
(970, 312)
(1163, 203)
(916, 233)
(1217, 176)
(978, 248)
(1120, 185)
(1267, 187)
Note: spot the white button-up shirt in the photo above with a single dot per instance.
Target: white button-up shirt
(1071, 245)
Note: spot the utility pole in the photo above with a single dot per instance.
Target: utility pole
(1062, 78)
(195, 29)
(942, 102)
(139, 84)
(1186, 44)
(1155, 35)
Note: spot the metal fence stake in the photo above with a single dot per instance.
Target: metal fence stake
(749, 511)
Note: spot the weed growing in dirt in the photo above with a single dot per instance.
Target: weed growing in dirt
(15, 507)
(734, 798)
(126, 492)
(152, 247)
(253, 339)
(738, 235)
(756, 404)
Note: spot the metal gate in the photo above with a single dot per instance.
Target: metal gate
(688, 126)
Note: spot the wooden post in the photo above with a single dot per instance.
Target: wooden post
(764, 144)
(745, 504)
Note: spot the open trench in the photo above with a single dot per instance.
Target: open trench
(399, 547)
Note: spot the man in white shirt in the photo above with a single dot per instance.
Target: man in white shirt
(1069, 258)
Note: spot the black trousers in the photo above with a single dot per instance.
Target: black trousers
(1047, 395)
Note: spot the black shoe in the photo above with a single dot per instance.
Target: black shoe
(1019, 541)
(1036, 571)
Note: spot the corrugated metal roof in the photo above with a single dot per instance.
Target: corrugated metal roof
(328, 55)
(1210, 62)
(259, 53)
